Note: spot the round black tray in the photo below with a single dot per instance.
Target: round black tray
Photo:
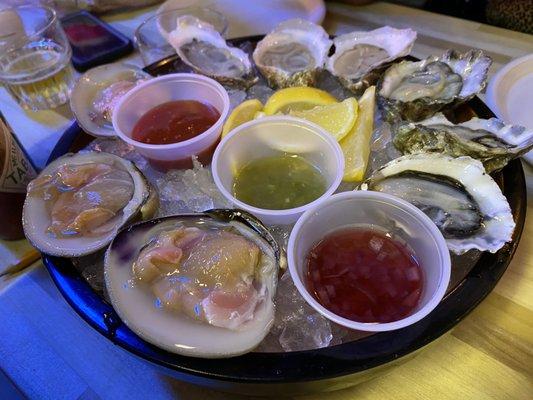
(302, 371)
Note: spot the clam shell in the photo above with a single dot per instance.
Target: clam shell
(36, 218)
(90, 86)
(173, 331)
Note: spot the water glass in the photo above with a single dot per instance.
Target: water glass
(35, 57)
(151, 35)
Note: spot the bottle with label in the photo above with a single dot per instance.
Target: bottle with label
(15, 174)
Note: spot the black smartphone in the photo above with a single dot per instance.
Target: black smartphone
(93, 41)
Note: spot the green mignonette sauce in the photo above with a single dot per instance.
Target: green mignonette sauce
(279, 182)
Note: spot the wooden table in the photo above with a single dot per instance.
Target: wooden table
(488, 356)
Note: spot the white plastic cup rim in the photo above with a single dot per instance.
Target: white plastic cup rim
(288, 212)
(194, 78)
(445, 271)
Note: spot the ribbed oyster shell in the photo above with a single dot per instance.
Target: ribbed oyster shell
(292, 54)
(202, 48)
(415, 91)
(463, 200)
(361, 56)
(488, 140)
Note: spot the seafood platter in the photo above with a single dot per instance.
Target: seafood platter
(289, 212)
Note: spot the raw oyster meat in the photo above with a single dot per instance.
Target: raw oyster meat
(292, 54)
(202, 48)
(78, 203)
(487, 140)
(417, 90)
(361, 56)
(98, 91)
(462, 200)
(196, 284)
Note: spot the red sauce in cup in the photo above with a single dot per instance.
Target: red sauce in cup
(174, 121)
(363, 275)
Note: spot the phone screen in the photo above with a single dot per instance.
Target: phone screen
(88, 38)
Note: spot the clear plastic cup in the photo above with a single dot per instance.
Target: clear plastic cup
(154, 92)
(271, 136)
(151, 35)
(384, 212)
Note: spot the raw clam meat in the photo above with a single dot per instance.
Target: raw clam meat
(98, 91)
(488, 140)
(293, 53)
(195, 284)
(78, 203)
(456, 193)
(361, 56)
(417, 90)
(202, 48)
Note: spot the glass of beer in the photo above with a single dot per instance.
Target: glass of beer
(35, 57)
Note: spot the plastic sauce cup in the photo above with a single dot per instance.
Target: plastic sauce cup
(271, 136)
(384, 212)
(156, 91)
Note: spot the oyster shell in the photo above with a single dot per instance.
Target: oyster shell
(361, 56)
(293, 53)
(201, 47)
(488, 140)
(417, 90)
(98, 91)
(201, 285)
(462, 200)
(79, 201)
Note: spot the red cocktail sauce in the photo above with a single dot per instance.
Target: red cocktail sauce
(174, 121)
(365, 276)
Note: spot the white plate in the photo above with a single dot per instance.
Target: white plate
(255, 17)
(509, 94)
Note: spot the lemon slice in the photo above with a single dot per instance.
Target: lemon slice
(244, 112)
(297, 98)
(356, 144)
(338, 119)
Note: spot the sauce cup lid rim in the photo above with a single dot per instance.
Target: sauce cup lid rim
(272, 120)
(183, 76)
(444, 255)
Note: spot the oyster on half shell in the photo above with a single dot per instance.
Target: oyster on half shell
(200, 285)
(414, 91)
(293, 53)
(488, 140)
(79, 201)
(457, 194)
(201, 47)
(361, 56)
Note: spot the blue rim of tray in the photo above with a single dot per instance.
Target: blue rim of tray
(311, 365)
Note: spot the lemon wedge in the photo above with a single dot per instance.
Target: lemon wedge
(297, 98)
(244, 112)
(356, 144)
(338, 118)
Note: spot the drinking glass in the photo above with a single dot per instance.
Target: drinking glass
(151, 35)
(35, 57)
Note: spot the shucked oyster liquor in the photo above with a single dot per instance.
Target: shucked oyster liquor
(488, 140)
(462, 200)
(78, 203)
(361, 56)
(292, 54)
(414, 91)
(202, 48)
(196, 284)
